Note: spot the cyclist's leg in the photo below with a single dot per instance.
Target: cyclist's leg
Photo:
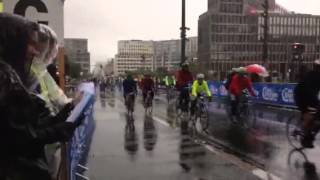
(185, 100)
(180, 98)
(193, 106)
(310, 129)
(234, 106)
(144, 95)
(125, 98)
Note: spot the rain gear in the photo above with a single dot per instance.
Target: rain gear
(203, 88)
(170, 81)
(26, 124)
(43, 83)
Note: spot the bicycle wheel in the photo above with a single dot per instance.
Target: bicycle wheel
(204, 118)
(201, 121)
(249, 117)
(294, 132)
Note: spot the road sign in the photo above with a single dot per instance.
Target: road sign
(48, 12)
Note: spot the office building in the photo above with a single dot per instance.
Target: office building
(77, 52)
(152, 55)
(231, 35)
(134, 55)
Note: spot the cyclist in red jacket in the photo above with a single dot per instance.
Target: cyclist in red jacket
(147, 84)
(239, 83)
(184, 77)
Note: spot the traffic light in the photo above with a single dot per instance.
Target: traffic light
(297, 51)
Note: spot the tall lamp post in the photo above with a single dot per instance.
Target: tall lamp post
(183, 32)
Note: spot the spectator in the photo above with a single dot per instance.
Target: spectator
(26, 124)
(46, 87)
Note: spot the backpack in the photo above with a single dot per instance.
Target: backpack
(229, 80)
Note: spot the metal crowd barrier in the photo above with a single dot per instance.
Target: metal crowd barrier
(79, 146)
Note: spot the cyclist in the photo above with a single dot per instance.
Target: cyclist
(200, 86)
(183, 77)
(239, 83)
(306, 96)
(170, 82)
(229, 78)
(147, 85)
(129, 86)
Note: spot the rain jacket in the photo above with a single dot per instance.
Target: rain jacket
(306, 93)
(49, 90)
(183, 79)
(26, 127)
(170, 81)
(198, 89)
(43, 83)
(147, 84)
(238, 84)
(129, 86)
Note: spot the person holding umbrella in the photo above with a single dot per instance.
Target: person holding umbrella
(239, 83)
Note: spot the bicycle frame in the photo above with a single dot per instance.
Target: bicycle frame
(148, 102)
(130, 103)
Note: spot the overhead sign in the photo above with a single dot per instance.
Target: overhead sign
(48, 12)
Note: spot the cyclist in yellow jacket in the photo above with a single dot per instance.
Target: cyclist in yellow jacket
(199, 87)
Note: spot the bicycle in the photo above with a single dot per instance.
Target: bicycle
(148, 103)
(245, 116)
(182, 109)
(200, 121)
(170, 93)
(130, 104)
(295, 132)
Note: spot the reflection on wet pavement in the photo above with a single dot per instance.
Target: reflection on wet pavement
(146, 149)
(130, 137)
(264, 143)
(149, 133)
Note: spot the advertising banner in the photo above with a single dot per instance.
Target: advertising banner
(274, 94)
(80, 143)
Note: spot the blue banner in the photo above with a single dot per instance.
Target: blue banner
(274, 94)
(80, 143)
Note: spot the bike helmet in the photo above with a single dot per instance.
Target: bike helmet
(242, 70)
(200, 76)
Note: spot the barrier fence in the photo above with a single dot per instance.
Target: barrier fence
(267, 93)
(79, 145)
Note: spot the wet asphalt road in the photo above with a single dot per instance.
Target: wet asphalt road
(265, 143)
(151, 149)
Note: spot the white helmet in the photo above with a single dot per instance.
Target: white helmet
(200, 76)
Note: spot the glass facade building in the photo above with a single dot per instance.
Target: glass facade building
(231, 35)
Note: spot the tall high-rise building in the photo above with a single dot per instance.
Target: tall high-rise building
(77, 52)
(231, 35)
(134, 55)
(167, 54)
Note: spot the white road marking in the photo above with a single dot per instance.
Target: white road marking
(161, 121)
(257, 172)
(265, 175)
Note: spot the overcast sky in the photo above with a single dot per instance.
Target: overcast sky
(104, 22)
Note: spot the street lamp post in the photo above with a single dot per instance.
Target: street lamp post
(183, 32)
